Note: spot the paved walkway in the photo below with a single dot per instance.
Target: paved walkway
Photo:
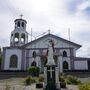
(32, 87)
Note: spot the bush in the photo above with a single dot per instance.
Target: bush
(72, 80)
(29, 80)
(34, 71)
(62, 77)
(84, 86)
(41, 78)
(62, 81)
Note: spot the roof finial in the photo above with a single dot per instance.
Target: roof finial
(49, 31)
(21, 16)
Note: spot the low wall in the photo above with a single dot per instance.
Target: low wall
(5, 74)
(8, 74)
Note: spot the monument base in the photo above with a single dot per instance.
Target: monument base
(51, 78)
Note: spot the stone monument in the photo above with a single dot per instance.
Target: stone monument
(51, 77)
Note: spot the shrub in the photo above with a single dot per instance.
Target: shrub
(72, 80)
(29, 80)
(34, 71)
(62, 74)
(85, 86)
(62, 77)
(41, 78)
(62, 81)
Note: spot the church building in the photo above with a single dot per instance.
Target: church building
(21, 54)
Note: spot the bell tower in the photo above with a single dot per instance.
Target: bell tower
(19, 36)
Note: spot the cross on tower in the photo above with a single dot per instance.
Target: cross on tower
(51, 71)
(49, 31)
(21, 16)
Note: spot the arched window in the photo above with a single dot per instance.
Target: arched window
(13, 61)
(34, 54)
(34, 63)
(11, 37)
(64, 54)
(23, 38)
(18, 24)
(23, 24)
(65, 65)
(16, 37)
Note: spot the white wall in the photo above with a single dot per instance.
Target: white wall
(43, 43)
(80, 65)
(8, 54)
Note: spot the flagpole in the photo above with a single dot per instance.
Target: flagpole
(31, 34)
(69, 36)
(69, 33)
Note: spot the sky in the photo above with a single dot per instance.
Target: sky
(55, 15)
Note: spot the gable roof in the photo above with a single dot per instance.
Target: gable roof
(54, 36)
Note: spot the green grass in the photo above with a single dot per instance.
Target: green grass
(84, 86)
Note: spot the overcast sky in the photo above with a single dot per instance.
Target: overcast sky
(56, 15)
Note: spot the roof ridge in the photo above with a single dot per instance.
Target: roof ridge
(52, 36)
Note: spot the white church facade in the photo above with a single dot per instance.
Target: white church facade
(21, 54)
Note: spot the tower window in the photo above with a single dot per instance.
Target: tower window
(18, 24)
(23, 38)
(11, 36)
(64, 54)
(16, 37)
(23, 24)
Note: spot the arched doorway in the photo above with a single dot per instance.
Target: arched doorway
(33, 63)
(65, 65)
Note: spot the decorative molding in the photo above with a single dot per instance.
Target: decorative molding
(23, 59)
(27, 59)
(3, 59)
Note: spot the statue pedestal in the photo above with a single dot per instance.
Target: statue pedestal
(51, 78)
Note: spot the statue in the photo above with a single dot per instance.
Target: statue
(50, 53)
(51, 79)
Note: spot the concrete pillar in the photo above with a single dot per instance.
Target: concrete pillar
(60, 64)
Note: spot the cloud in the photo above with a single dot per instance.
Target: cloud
(71, 5)
(6, 7)
(41, 15)
(84, 9)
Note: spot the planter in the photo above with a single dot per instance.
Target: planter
(39, 85)
(62, 84)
